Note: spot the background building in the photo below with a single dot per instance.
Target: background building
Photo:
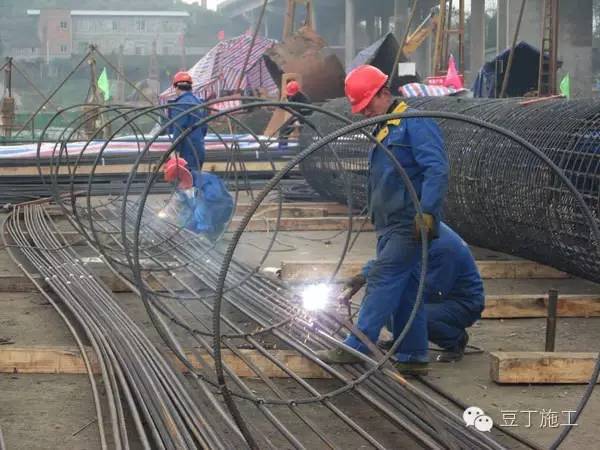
(63, 33)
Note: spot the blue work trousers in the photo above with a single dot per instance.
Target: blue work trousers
(448, 319)
(388, 284)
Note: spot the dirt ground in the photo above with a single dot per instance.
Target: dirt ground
(56, 411)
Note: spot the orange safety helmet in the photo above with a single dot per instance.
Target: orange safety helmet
(292, 88)
(362, 84)
(182, 77)
(176, 170)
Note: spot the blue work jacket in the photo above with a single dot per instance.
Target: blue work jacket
(211, 207)
(418, 145)
(190, 148)
(451, 271)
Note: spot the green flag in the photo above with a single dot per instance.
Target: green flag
(103, 84)
(565, 86)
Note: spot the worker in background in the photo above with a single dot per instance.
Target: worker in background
(191, 148)
(418, 146)
(293, 94)
(201, 202)
(453, 294)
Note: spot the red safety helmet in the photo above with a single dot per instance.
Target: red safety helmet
(176, 170)
(182, 77)
(362, 84)
(292, 88)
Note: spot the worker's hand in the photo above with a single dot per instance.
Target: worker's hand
(428, 221)
(352, 286)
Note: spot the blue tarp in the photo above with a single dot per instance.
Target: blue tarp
(523, 76)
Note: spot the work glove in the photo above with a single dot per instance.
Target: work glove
(430, 226)
(351, 287)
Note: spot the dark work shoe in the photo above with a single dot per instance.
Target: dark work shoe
(337, 356)
(385, 345)
(412, 368)
(455, 354)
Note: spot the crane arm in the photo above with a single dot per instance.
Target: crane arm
(427, 27)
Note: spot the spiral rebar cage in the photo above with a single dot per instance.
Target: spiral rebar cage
(209, 298)
(500, 197)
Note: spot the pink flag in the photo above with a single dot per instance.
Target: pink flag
(452, 77)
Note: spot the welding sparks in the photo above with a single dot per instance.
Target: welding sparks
(316, 296)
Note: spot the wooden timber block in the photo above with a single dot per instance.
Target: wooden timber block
(59, 360)
(302, 271)
(523, 306)
(21, 283)
(298, 224)
(541, 367)
(328, 208)
(270, 210)
(289, 210)
(518, 269)
(68, 360)
(305, 271)
(17, 283)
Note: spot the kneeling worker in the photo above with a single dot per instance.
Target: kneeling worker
(453, 293)
(201, 202)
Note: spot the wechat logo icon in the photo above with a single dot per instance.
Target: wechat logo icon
(475, 417)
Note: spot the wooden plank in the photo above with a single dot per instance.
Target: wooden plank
(330, 208)
(291, 209)
(523, 306)
(17, 283)
(542, 367)
(292, 219)
(301, 271)
(298, 224)
(44, 360)
(518, 269)
(111, 169)
(68, 360)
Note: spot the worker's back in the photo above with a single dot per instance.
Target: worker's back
(205, 209)
(452, 272)
(192, 147)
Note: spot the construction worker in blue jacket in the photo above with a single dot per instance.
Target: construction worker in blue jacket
(418, 146)
(201, 202)
(453, 294)
(191, 148)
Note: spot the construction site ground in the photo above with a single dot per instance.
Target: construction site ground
(56, 410)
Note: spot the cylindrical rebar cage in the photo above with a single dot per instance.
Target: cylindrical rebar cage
(500, 197)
